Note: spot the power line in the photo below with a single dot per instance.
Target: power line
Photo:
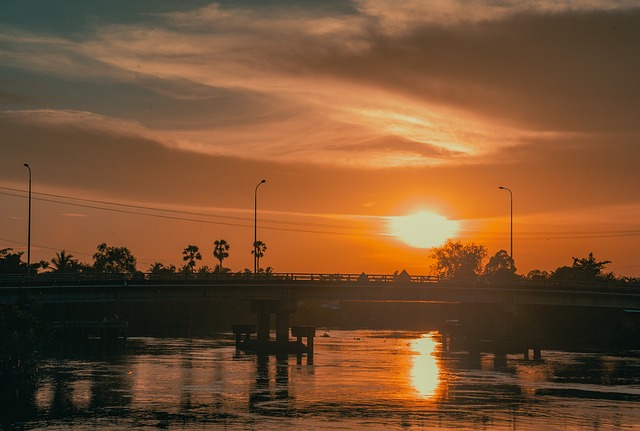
(527, 235)
(56, 249)
(123, 211)
(45, 247)
(547, 236)
(175, 211)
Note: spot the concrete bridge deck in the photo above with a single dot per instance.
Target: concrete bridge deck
(52, 289)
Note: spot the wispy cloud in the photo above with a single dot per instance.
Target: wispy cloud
(78, 215)
(417, 14)
(428, 83)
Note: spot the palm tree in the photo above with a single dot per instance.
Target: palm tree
(160, 268)
(221, 251)
(259, 248)
(204, 269)
(64, 262)
(156, 268)
(190, 255)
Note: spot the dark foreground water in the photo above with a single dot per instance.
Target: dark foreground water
(362, 380)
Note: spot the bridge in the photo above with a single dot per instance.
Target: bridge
(490, 310)
(291, 287)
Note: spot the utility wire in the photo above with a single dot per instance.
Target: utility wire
(22, 192)
(45, 247)
(547, 236)
(521, 235)
(124, 211)
(74, 253)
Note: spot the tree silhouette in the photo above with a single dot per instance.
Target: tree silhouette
(114, 260)
(156, 268)
(455, 259)
(160, 269)
(259, 249)
(500, 266)
(11, 263)
(204, 269)
(583, 269)
(220, 252)
(537, 274)
(63, 262)
(589, 268)
(190, 255)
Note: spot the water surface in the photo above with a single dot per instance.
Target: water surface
(374, 380)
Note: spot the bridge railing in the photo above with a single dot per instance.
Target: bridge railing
(356, 278)
(53, 279)
(60, 278)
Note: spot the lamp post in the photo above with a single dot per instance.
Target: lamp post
(29, 226)
(511, 211)
(255, 228)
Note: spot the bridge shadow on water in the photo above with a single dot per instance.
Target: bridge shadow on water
(79, 384)
(269, 395)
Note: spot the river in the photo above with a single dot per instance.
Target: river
(373, 380)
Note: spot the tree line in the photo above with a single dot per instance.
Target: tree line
(456, 259)
(120, 260)
(453, 260)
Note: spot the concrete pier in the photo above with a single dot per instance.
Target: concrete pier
(282, 345)
(264, 309)
(243, 333)
(449, 331)
(490, 331)
(537, 354)
(308, 332)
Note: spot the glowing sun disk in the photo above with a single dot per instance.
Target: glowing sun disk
(423, 229)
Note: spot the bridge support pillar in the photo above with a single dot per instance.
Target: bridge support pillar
(282, 309)
(537, 354)
(282, 328)
(263, 325)
(243, 331)
(308, 332)
(449, 330)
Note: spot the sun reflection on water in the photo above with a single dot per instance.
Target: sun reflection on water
(425, 372)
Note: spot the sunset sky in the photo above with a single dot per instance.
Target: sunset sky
(148, 124)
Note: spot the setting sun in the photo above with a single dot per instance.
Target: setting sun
(423, 229)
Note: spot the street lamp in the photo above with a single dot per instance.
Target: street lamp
(511, 210)
(29, 226)
(255, 228)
